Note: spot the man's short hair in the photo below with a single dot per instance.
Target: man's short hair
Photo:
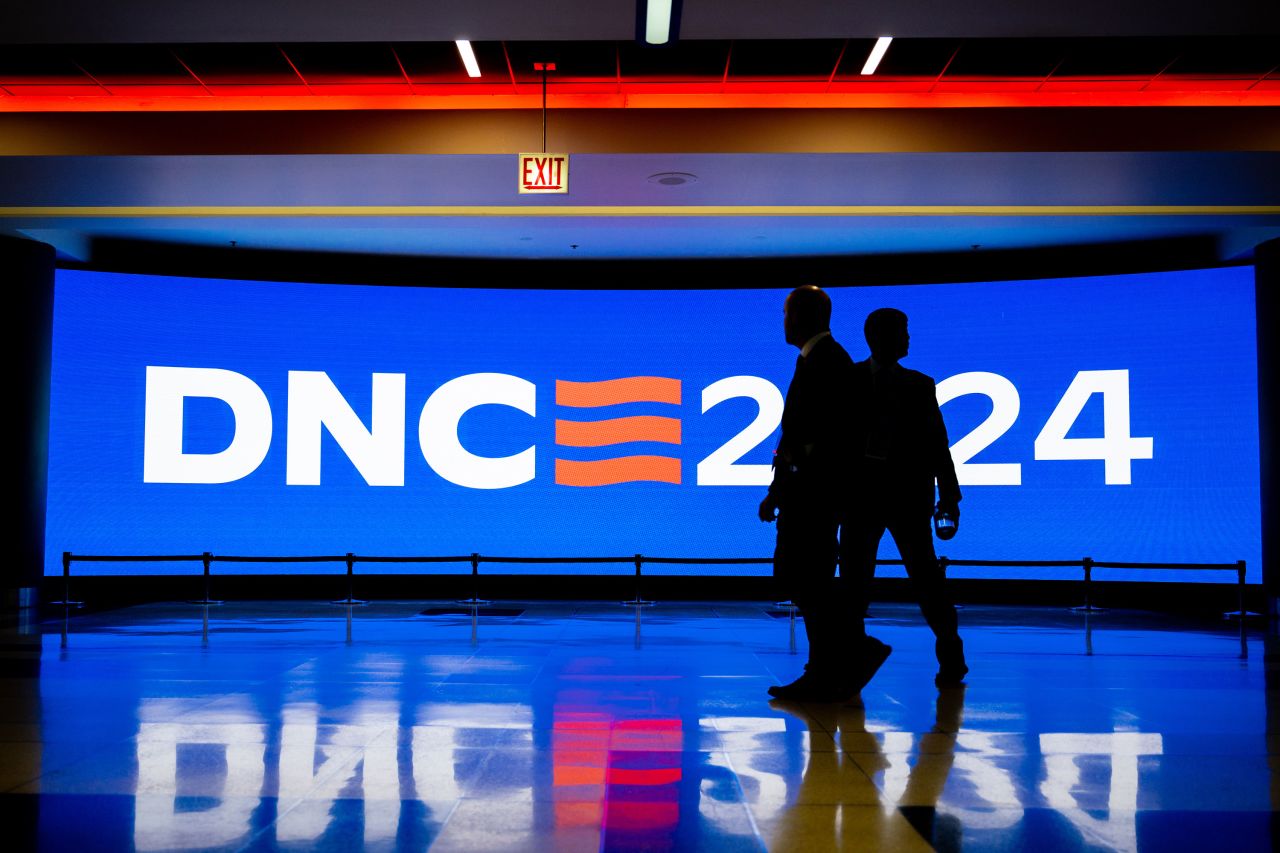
(883, 323)
(810, 307)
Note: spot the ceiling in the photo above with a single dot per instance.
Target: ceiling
(147, 62)
(315, 21)
(90, 76)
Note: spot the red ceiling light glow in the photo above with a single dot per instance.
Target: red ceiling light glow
(425, 76)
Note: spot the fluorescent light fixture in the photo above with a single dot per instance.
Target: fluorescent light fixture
(657, 21)
(468, 57)
(877, 54)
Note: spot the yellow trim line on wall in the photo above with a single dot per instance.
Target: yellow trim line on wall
(219, 211)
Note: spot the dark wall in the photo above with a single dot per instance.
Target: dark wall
(1267, 290)
(28, 276)
(1141, 256)
(642, 131)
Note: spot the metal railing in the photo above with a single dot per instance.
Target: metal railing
(206, 559)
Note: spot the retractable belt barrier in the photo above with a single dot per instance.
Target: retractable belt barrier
(207, 559)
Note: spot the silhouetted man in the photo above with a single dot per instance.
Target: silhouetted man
(809, 491)
(904, 452)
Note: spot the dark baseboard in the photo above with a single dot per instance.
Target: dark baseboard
(109, 592)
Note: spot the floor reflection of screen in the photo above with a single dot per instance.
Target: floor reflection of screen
(621, 780)
(1107, 417)
(616, 774)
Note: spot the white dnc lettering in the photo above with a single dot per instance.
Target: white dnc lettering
(315, 402)
(162, 458)
(438, 430)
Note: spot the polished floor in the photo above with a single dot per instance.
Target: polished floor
(303, 726)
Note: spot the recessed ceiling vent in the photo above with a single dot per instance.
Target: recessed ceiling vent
(673, 179)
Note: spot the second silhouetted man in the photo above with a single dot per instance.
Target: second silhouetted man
(861, 448)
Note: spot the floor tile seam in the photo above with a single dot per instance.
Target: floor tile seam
(253, 839)
(13, 789)
(476, 776)
(445, 822)
(193, 710)
(318, 781)
(742, 793)
(883, 796)
(56, 770)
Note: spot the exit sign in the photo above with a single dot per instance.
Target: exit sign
(543, 173)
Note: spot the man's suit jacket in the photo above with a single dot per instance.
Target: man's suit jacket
(904, 446)
(812, 460)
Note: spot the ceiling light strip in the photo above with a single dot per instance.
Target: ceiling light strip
(877, 54)
(468, 57)
(657, 21)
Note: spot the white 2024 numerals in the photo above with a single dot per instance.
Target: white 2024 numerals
(1116, 448)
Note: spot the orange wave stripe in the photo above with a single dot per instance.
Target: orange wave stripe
(624, 469)
(611, 392)
(573, 814)
(575, 775)
(617, 431)
(651, 776)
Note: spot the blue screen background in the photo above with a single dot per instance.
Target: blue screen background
(1187, 338)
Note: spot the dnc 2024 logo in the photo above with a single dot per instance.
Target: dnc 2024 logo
(314, 404)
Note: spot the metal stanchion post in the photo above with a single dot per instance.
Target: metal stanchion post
(350, 600)
(1239, 574)
(475, 600)
(206, 558)
(791, 620)
(1240, 586)
(1242, 614)
(66, 584)
(1087, 607)
(1240, 596)
(638, 601)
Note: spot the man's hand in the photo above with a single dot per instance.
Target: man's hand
(951, 509)
(768, 509)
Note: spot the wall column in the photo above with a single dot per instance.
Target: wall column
(1267, 291)
(27, 270)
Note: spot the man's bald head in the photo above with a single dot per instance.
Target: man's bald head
(806, 312)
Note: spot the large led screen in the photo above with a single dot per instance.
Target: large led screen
(1110, 417)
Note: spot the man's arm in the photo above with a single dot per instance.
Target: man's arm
(814, 427)
(768, 510)
(943, 466)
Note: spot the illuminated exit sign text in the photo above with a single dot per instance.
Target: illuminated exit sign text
(543, 173)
